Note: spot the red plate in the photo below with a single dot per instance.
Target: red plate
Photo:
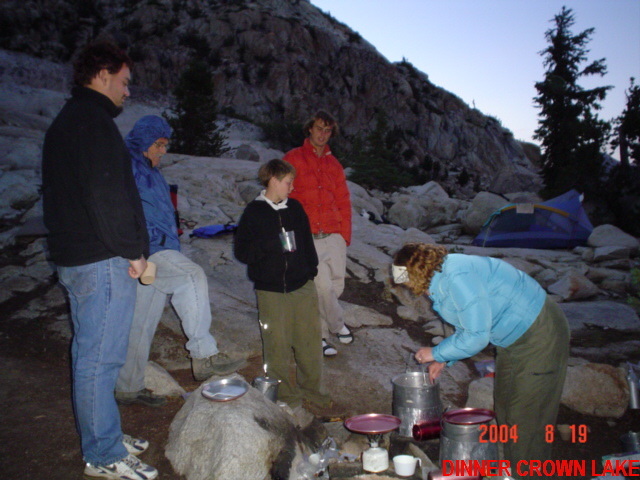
(468, 416)
(372, 423)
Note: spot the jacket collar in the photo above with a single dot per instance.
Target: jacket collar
(307, 146)
(86, 93)
(275, 206)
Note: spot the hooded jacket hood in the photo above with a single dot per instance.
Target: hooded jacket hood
(146, 131)
(154, 191)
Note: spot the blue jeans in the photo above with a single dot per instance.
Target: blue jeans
(102, 296)
(186, 281)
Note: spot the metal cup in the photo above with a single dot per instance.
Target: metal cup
(288, 240)
(267, 386)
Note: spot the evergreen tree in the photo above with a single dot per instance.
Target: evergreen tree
(622, 191)
(375, 161)
(628, 128)
(193, 118)
(572, 135)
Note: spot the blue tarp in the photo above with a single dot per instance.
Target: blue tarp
(557, 223)
(211, 231)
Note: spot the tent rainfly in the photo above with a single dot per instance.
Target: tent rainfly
(557, 223)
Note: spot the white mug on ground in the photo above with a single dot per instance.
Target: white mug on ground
(405, 465)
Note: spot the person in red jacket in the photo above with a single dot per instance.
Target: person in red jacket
(321, 187)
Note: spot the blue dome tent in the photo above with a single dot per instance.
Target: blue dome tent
(557, 223)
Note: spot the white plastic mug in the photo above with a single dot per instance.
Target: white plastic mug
(405, 465)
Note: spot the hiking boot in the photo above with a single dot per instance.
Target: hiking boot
(218, 364)
(129, 468)
(135, 446)
(143, 397)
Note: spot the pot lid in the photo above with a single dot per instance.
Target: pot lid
(468, 416)
(372, 423)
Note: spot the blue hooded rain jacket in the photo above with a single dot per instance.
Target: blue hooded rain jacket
(154, 190)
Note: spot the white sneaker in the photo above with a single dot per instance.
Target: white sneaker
(129, 468)
(135, 446)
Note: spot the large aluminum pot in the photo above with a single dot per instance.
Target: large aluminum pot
(460, 435)
(415, 400)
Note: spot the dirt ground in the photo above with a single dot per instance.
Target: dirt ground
(38, 439)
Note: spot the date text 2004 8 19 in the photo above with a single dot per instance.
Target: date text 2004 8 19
(504, 433)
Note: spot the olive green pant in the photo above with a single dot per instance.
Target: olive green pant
(530, 376)
(290, 329)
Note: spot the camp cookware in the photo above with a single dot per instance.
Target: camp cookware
(460, 435)
(415, 400)
(373, 425)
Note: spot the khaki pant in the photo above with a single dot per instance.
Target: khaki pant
(332, 267)
(530, 376)
(291, 333)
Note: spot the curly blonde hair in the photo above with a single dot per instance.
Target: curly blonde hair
(422, 261)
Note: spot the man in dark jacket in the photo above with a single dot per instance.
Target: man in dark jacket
(176, 275)
(98, 240)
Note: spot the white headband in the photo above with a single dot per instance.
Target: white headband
(400, 274)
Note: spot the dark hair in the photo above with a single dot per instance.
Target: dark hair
(275, 168)
(96, 57)
(327, 118)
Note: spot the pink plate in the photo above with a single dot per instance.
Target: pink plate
(468, 416)
(372, 423)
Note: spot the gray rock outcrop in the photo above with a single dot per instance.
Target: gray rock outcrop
(249, 437)
(596, 389)
(610, 235)
(268, 61)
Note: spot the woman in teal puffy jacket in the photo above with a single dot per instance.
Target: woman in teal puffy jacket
(489, 301)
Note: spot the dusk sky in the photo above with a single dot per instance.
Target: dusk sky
(487, 51)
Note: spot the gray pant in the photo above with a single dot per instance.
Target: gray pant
(530, 376)
(187, 283)
(291, 333)
(332, 267)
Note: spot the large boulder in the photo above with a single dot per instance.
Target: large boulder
(596, 389)
(610, 235)
(249, 437)
(362, 202)
(482, 205)
(425, 207)
(574, 286)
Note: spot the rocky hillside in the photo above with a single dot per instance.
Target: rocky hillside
(277, 61)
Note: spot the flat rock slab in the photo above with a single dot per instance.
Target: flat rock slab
(603, 314)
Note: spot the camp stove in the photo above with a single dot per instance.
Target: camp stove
(373, 425)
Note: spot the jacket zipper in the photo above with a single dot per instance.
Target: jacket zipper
(286, 265)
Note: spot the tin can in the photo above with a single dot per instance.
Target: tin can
(426, 430)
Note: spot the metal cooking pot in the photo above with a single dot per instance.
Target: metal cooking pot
(415, 400)
(460, 435)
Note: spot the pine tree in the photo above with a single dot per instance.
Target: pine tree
(628, 128)
(572, 135)
(622, 191)
(374, 160)
(193, 118)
